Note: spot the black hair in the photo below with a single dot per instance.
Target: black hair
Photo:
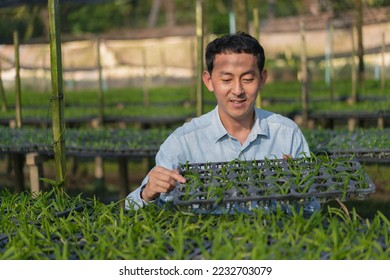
(239, 42)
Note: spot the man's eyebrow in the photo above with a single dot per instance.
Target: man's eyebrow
(251, 72)
(222, 73)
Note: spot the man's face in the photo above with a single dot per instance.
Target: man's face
(235, 81)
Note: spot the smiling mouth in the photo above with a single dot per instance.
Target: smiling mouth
(237, 101)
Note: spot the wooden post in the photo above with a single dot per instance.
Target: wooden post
(34, 163)
(124, 181)
(352, 122)
(18, 163)
(99, 174)
(99, 163)
(380, 120)
(200, 37)
(57, 99)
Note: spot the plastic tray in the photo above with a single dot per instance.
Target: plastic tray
(244, 185)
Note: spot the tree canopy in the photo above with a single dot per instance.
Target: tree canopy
(29, 17)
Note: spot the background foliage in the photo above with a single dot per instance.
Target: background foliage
(83, 18)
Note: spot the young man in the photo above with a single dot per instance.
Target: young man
(235, 129)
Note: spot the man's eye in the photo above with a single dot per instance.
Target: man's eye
(248, 80)
(226, 80)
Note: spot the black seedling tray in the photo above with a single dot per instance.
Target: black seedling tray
(366, 155)
(245, 185)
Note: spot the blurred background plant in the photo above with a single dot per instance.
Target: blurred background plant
(79, 16)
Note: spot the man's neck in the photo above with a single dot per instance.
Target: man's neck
(239, 129)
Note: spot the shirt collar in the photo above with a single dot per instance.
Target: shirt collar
(261, 125)
(218, 132)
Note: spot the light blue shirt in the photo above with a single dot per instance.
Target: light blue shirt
(205, 139)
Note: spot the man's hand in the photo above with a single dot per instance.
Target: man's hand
(287, 156)
(161, 180)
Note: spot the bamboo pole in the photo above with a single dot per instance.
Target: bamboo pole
(353, 97)
(4, 105)
(360, 47)
(256, 34)
(192, 92)
(240, 8)
(200, 37)
(329, 59)
(124, 181)
(256, 24)
(164, 66)
(99, 163)
(18, 159)
(101, 90)
(57, 99)
(43, 76)
(247, 16)
(18, 98)
(383, 64)
(146, 80)
(232, 18)
(304, 77)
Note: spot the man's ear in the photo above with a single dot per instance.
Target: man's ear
(206, 77)
(263, 76)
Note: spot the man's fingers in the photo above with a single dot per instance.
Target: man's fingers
(179, 178)
(161, 183)
(287, 156)
(164, 180)
(169, 175)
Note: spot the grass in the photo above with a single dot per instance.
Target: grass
(34, 228)
(94, 141)
(55, 226)
(342, 139)
(173, 101)
(120, 139)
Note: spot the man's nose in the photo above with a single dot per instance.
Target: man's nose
(237, 88)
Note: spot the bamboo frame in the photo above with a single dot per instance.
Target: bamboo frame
(57, 99)
(18, 98)
(100, 75)
(304, 77)
(199, 37)
(4, 105)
